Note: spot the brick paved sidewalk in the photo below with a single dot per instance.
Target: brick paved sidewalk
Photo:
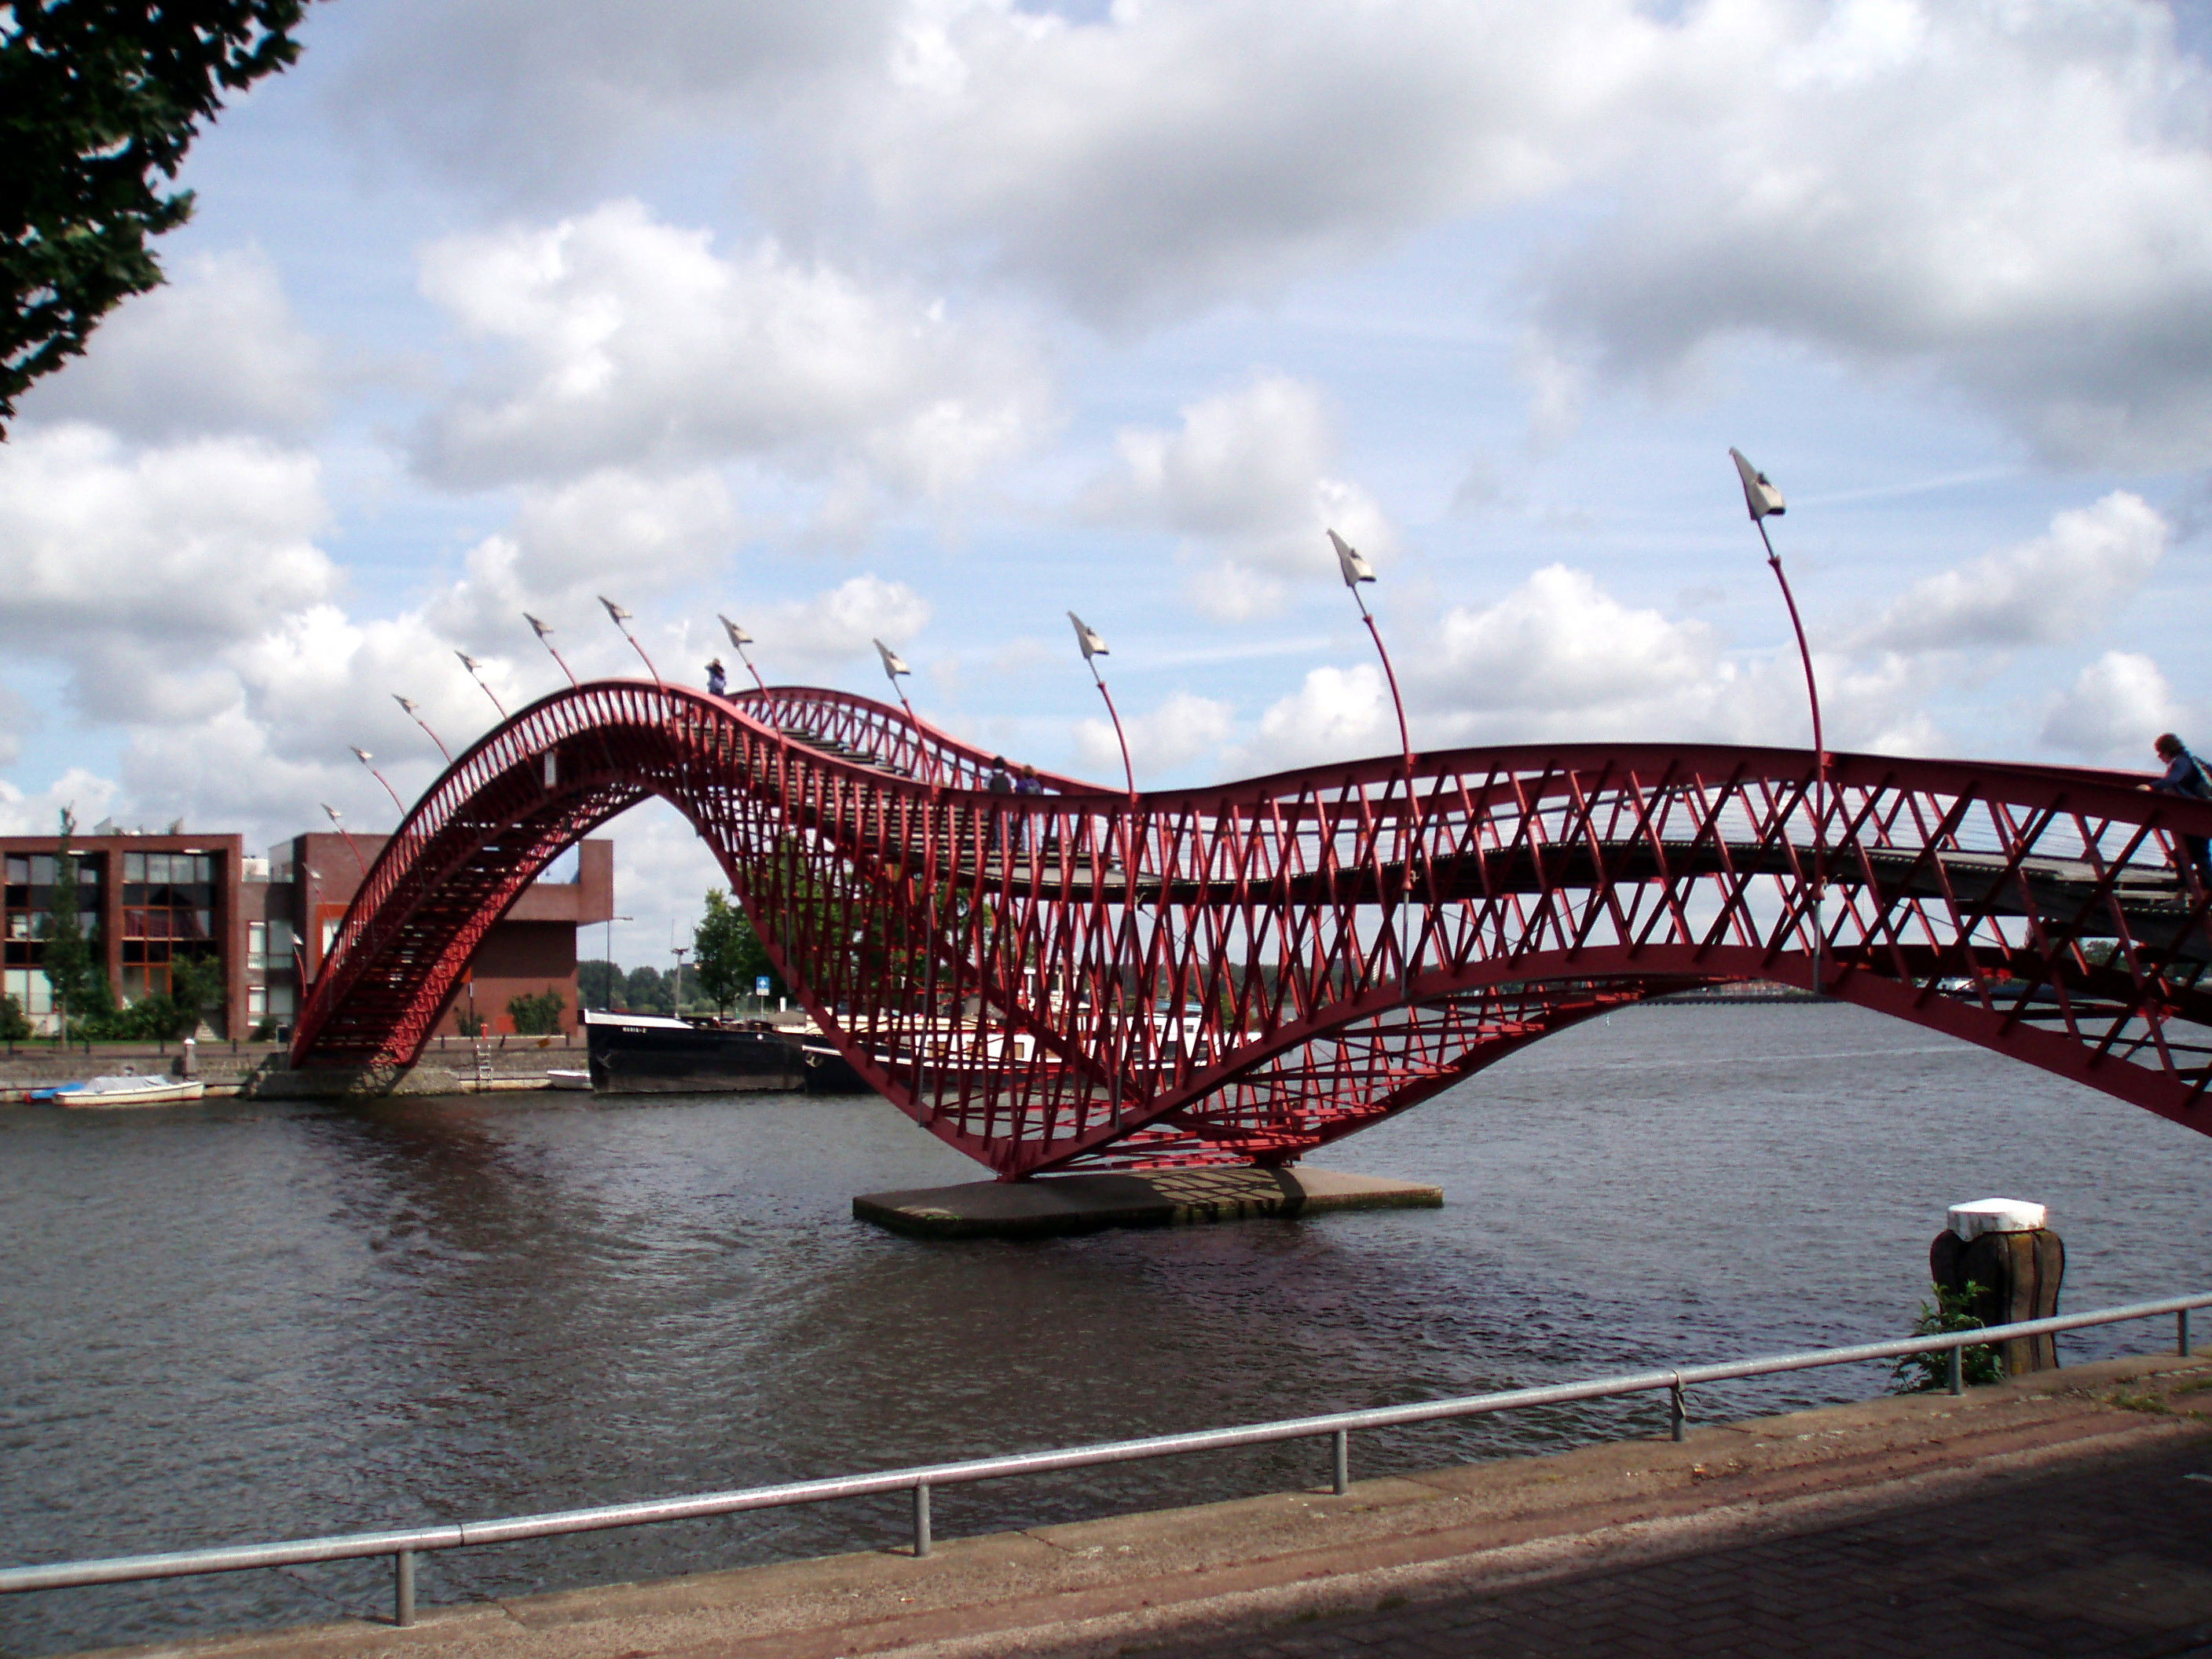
(2111, 1558)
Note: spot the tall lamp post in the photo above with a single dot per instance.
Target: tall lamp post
(622, 619)
(369, 760)
(337, 823)
(609, 1006)
(545, 632)
(1764, 501)
(738, 641)
(413, 710)
(1093, 647)
(476, 673)
(894, 667)
(1357, 570)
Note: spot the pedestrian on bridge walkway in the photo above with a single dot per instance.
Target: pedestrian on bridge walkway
(2185, 777)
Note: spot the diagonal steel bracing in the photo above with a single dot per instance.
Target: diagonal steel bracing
(1243, 973)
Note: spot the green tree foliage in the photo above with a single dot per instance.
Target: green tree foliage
(470, 1025)
(1930, 1373)
(195, 986)
(64, 953)
(600, 985)
(537, 1015)
(98, 97)
(15, 1024)
(728, 956)
(649, 991)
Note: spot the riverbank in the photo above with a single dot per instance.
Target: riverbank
(1768, 1509)
(449, 1065)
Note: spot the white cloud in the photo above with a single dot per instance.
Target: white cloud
(1337, 713)
(1169, 156)
(1247, 480)
(611, 339)
(1558, 643)
(836, 627)
(134, 567)
(529, 97)
(2113, 710)
(28, 812)
(2011, 195)
(1180, 730)
(2058, 588)
(216, 349)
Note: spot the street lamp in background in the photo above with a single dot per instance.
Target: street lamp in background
(368, 760)
(411, 707)
(1764, 501)
(545, 632)
(1093, 647)
(622, 619)
(738, 641)
(1357, 570)
(476, 673)
(610, 998)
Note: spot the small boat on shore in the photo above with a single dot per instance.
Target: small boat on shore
(127, 1090)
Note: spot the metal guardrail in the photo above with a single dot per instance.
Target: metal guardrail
(1338, 1427)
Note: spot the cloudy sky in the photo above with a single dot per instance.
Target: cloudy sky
(934, 318)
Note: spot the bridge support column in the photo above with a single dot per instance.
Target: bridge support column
(2002, 1247)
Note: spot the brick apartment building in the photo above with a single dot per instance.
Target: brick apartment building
(146, 900)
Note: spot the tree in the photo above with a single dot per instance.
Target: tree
(728, 956)
(599, 985)
(65, 954)
(14, 1027)
(96, 98)
(648, 991)
(194, 983)
(536, 1016)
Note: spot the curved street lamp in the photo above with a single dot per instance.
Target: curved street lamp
(1092, 646)
(337, 823)
(476, 673)
(894, 667)
(622, 619)
(414, 713)
(545, 632)
(1764, 501)
(1357, 570)
(738, 641)
(369, 760)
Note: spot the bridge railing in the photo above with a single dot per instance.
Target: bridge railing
(403, 1544)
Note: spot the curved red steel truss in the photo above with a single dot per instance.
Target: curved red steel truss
(1243, 973)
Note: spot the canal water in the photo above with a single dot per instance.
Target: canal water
(256, 1321)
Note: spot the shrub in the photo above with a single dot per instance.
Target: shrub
(536, 1016)
(1930, 1373)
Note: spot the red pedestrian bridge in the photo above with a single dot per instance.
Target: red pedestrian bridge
(1085, 979)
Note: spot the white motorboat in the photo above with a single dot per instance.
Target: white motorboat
(130, 1092)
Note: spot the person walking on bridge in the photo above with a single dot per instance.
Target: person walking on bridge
(2185, 777)
(718, 684)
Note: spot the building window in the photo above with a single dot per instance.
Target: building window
(256, 944)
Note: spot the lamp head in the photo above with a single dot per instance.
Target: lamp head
(335, 815)
(738, 637)
(1356, 569)
(407, 704)
(362, 755)
(468, 662)
(1760, 494)
(894, 665)
(1086, 637)
(537, 627)
(614, 610)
